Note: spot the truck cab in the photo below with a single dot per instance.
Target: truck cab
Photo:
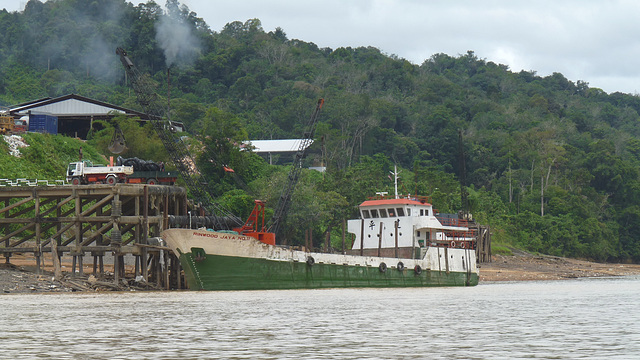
(75, 169)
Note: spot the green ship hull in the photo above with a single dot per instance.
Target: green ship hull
(215, 272)
(222, 261)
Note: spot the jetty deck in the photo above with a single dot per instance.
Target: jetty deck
(95, 220)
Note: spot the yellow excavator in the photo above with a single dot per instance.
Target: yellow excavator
(6, 124)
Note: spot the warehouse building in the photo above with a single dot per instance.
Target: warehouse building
(74, 114)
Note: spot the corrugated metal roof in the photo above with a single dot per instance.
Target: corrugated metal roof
(275, 146)
(70, 105)
(73, 107)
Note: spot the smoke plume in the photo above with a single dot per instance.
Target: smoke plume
(177, 40)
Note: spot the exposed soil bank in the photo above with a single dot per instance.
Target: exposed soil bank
(20, 276)
(524, 266)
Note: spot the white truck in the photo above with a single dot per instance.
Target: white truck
(83, 172)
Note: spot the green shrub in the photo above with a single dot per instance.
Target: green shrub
(501, 250)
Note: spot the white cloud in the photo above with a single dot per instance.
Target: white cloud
(13, 5)
(588, 40)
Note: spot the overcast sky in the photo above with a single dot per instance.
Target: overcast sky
(590, 40)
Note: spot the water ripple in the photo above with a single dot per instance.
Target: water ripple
(572, 319)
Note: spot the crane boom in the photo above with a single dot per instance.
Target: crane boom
(284, 202)
(181, 157)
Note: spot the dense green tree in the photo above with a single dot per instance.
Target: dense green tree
(550, 164)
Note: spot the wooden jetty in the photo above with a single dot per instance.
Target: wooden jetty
(121, 220)
(483, 243)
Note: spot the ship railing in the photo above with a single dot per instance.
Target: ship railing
(455, 243)
(420, 198)
(461, 235)
(453, 221)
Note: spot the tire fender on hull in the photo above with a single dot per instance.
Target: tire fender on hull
(417, 270)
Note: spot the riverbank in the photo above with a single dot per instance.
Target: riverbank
(21, 276)
(523, 266)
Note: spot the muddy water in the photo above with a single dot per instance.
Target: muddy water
(572, 319)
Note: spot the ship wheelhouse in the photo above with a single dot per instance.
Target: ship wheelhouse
(391, 225)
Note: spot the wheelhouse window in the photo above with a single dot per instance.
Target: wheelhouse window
(400, 211)
(365, 214)
(374, 213)
(383, 213)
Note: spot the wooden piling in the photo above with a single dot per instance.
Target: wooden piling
(88, 219)
(145, 231)
(57, 270)
(165, 254)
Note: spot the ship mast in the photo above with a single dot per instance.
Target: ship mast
(395, 178)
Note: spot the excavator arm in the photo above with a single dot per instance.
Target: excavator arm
(181, 157)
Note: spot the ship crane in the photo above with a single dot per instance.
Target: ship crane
(255, 225)
(180, 155)
(284, 202)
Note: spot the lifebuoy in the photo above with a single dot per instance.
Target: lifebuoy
(463, 244)
(400, 266)
(310, 260)
(453, 244)
(382, 267)
(417, 269)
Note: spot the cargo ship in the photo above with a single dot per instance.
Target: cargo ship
(397, 241)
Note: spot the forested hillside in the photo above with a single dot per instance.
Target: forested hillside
(550, 164)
